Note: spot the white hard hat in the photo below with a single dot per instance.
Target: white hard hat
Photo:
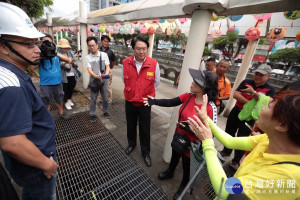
(14, 21)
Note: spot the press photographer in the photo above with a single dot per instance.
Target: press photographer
(50, 75)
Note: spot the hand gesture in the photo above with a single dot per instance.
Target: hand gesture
(50, 172)
(249, 89)
(200, 125)
(148, 101)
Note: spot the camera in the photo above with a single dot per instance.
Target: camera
(79, 53)
(48, 50)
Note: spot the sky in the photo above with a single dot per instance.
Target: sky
(62, 8)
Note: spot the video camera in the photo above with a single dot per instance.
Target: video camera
(48, 50)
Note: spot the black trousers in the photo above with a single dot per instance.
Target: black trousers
(185, 166)
(143, 114)
(233, 125)
(69, 88)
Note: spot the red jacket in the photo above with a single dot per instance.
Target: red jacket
(138, 86)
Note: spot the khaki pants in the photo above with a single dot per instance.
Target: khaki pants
(109, 88)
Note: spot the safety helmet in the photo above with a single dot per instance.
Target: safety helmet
(14, 21)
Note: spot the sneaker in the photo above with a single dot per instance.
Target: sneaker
(64, 116)
(93, 118)
(70, 102)
(68, 106)
(106, 115)
(99, 103)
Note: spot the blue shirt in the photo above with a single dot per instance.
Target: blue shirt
(50, 74)
(23, 112)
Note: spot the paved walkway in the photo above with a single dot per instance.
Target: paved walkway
(159, 129)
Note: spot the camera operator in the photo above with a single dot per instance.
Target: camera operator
(50, 75)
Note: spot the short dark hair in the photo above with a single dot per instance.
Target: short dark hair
(139, 38)
(91, 38)
(286, 110)
(48, 35)
(211, 59)
(103, 37)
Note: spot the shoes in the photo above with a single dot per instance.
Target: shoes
(70, 102)
(129, 149)
(106, 115)
(68, 106)
(99, 103)
(93, 118)
(234, 165)
(64, 116)
(168, 174)
(147, 160)
(178, 193)
(224, 154)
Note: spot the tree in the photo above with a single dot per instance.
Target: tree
(227, 46)
(33, 8)
(287, 55)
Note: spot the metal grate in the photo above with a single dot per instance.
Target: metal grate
(93, 164)
(206, 186)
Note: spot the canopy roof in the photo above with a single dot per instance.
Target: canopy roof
(153, 9)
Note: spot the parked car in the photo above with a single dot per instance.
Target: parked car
(277, 72)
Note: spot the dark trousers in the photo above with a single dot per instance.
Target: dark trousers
(185, 166)
(7, 190)
(69, 88)
(233, 125)
(143, 114)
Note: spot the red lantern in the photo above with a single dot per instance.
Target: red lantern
(252, 34)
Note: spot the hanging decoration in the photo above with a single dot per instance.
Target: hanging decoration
(155, 20)
(116, 28)
(235, 18)
(298, 36)
(183, 20)
(252, 34)
(232, 33)
(263, 16)
(159, 30)
(162, 21)
(143, 30)
(215, 32)
(276, 33)
(292, 15)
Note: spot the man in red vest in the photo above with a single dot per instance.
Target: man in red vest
(141, 76)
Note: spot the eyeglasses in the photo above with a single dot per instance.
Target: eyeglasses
(92, 46)
(28, 44)
(141, 49)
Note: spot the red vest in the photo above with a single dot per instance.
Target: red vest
(138, 86)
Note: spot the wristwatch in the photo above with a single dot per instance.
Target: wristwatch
(253, 93)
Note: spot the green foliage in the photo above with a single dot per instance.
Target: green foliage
(262, 41)
(287, 55)
(207, 51)
(226, 46)
(33, 8)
